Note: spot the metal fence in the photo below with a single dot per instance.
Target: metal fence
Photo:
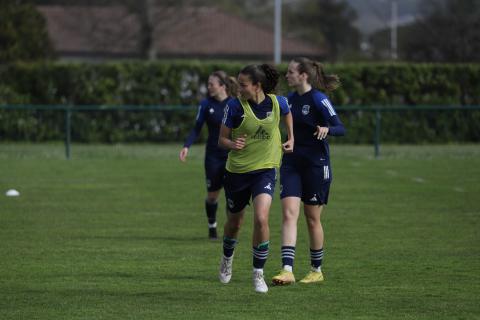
(377, 110)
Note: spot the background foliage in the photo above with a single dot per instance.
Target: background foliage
(182, 83)
(23, 33)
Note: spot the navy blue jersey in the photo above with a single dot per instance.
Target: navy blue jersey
(210, 111)
(310, 110)
(234, 110)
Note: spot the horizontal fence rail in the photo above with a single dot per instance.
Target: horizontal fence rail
(377, 109)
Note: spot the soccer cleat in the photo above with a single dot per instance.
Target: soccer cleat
(212, 233)
(283, 278)
(225, 269)
(259, 282)
(313, 277)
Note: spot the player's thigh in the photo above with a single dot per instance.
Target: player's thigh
(316, 180)
(214, 174)
(237, 191)
(264, 182)
(290, 182)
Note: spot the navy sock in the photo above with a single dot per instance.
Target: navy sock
(228, 246)
(260, 254)
(288, 255)
(211, 209)
(316, 257)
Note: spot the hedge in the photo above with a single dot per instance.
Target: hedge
(183, 83)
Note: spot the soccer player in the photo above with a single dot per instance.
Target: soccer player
(306, 174)
(250, 130)
(221, 88)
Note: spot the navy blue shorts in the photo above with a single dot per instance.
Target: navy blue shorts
(214, 172)
(240, 187)
(307, 180)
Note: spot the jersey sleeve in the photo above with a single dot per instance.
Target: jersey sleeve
(232, 114)
(283, 103)
(199, 121)
(325, 107)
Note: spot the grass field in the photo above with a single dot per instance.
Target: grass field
(119, 232)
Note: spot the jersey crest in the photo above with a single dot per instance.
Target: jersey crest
(305, 109)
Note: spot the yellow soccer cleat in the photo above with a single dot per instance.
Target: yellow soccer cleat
(283, 278)
(313, 277)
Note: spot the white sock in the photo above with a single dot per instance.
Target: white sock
(212, 225)
(288, 268)
(258, 270)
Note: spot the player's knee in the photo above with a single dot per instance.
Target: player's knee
(211, 200)
(261, 221)
(290, 216)
(233, 226)
(313, 222)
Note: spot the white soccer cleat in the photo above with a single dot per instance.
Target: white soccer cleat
(259, 282)
(225, 269)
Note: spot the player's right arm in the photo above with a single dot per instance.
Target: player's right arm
(195, 132)
(225, 138)
(225, 141)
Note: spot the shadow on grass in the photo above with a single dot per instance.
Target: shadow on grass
(155, 278)
(93, 293)
(177, 238)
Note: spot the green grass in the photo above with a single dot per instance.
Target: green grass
(119, 232)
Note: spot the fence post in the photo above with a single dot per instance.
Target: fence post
(378, 118)
(68, 129)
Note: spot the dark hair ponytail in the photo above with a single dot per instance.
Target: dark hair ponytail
(271, 75)
(264, 74)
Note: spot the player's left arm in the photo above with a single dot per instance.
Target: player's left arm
(334, 126)
(288, 121)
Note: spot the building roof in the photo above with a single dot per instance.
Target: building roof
(178, 32)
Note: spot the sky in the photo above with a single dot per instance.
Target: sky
(376, 14)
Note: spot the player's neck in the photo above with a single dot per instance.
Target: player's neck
(303, 88)
(259, 97)
(221, 96)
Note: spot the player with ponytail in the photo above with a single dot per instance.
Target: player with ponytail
(250, 130)
(221, 89)
(306, 174)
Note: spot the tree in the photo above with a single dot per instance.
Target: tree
(326, 22)
(446, 32)
(23, 33)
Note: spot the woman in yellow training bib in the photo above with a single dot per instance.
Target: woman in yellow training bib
(250, 130)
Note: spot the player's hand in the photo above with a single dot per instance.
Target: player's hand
(321, 132)
(183, 154)
(288, 146)
(239, 143)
